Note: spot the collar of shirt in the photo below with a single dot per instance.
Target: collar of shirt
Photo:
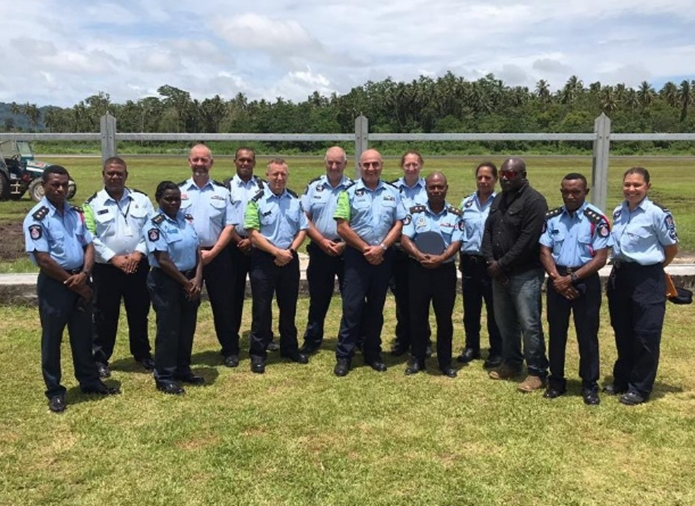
(642, 205)
(179, 216)
(237, 181)
(190, 185)
(489, 200)
(440, 213)
(126, 195)
(578, 214)
(343, 181)
(420, 182)
(360, 185)
(272, 195)
(53, 210)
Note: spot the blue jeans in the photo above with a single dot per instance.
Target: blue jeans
(518, 314)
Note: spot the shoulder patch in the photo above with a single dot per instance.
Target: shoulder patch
(553, 212)
(217, 183)
(663, 208)
(292, 193)
(257, 196)
(594, 217)
(418, 209)
(92, 197)
(158, 219)
(455, 210)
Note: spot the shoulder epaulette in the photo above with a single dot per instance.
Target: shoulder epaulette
(594, 217)
(228, 183)
(92, 197)
(418, 209)
(351, 183)
(314, 180)
(259, 182)
(393, 184)
(182, 183)
(553, 212)
(40, 213)
(257, 196)
(77, 209)
(663, 208)
(217, 183)
(135, 190)
(292, 193)
(455, 210)
(158, 219)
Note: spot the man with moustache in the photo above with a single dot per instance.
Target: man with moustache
(369, 216)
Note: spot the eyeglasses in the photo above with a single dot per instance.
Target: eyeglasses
(510, 174)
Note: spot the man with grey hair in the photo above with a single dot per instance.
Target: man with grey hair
(326, 247)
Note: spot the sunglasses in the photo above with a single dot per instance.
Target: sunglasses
(510, 174)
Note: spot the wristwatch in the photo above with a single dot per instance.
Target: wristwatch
(383, 246)
(574, 278)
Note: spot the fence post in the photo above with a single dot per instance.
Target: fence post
(361, 141)
(108, 137)
(599, 173)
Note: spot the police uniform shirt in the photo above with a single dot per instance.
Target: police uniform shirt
(278, 218)
(320, 200)
(63, 237)
(241, 192)
(447, 223)
(575, 238)
(117, 225)
(177, 237)
(371, 213)
(474, 216)
(640, 236)
(412, 195)
(210, 205)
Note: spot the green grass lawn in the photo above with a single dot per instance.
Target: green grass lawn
(299, 435)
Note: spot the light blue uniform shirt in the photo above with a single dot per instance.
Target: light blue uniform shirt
(412, 195)
(279, 218)
(241, 192)
(177, 238)
(447, 223)
(640, 236)
(63, 237)
(211, 208)
(320, 200)
(575, 239)
(117, 226)
(474, 216)
(371, 213)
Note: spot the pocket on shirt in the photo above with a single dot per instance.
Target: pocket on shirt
(638, 237)
(218, 207)
(105, 220)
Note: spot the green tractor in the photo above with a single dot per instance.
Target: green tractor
(20, 172)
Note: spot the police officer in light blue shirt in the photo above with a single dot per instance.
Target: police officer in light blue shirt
(58, 241)
(644, 242)
(574, 247)
(412, 190)
(277, 226)
(369, 216)
(326, 247)
(209, 203)
(475, 281)
(174, 284)
(432, 273)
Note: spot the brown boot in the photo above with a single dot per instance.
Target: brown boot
(531, 384)
(503, 372)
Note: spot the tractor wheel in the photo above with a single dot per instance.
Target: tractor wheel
(36, 190)
(4, 187)
(72, 189)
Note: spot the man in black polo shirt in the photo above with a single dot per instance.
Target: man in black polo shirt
(510, 246)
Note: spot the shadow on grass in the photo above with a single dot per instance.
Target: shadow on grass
(660, 389)
(128, 365)
(75, 396)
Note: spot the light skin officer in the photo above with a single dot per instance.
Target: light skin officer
(115, 216)
(326, 247)
(574, 247)
(209, 203)
(369, 217)
(59, 243)
(277, 227)
(434, 275)
(644, 242)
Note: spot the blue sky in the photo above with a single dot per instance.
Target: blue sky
(60, 52)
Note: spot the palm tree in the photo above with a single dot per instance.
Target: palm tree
(543, 90)
(669, 92)
(685, 98)
(645, 94)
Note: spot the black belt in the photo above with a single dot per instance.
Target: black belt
(75, 271)
(189, 274)
(564, 270)
(474, 259)
(624, 264)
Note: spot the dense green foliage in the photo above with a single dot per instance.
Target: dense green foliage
(447, 104)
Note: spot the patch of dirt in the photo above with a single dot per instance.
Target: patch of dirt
(11, 242)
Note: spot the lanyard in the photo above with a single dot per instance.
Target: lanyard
(127, 209)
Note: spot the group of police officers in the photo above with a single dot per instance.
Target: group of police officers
(370, 234)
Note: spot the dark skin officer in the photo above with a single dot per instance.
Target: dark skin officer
(574, 247)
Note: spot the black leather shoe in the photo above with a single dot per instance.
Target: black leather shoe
(553, 393)
(378, 365)
(308, 349)
(257, 365)
(342, 367)
(103, 370)
(450, 372)
(191, 379)
(632, 399)
(146, 362)
(169, 387)
(612, 389)
(468, 355)
(492, 362)
(414, 367)
(299, 358)
(57, 404)
(398, 349)
(100, 388)
(231, 360)
(273, 346)
(591, 397)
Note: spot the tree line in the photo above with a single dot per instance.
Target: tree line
(449, 103)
